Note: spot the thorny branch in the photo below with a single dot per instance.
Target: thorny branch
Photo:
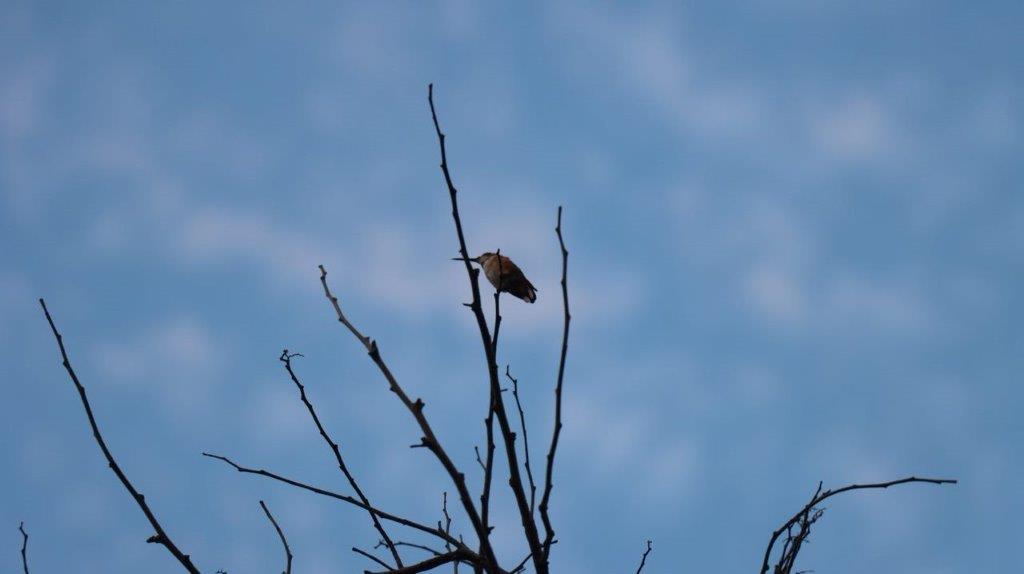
(286, 358)
(508, 436)
(161, 536)
(810, 514)
(284, 541)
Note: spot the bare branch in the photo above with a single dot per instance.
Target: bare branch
(284, 541)
(342, 497)
(549, 537)
(24, 547)
(429, 440)
(643, 559)
(808, 515)
(508, 436)
(526, 440)
(161, 536)
(374, 558)
(430, 563)
(287, 360)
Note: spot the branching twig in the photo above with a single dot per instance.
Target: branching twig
(643, 559)
(429, 440)
(549, 537)
(508, 436)
(287, 360)
(161, 536)
(284, 541)
(24, 547)
(526, 440)
(809, 514)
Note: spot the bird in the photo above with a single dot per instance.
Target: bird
(506, 276)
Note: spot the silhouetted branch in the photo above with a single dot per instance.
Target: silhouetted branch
(342, 497)
(24, 547)
(284, 541)
(643, 559)
(526, 440)
(374, 558)
(549, 537)
(429, 440)
(508, 436)
(161, 536)
(430, 563)
(808, 515)
(287, 360)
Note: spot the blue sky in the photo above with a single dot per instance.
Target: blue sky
(796, 255)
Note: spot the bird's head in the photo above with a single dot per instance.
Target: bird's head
(481, 259)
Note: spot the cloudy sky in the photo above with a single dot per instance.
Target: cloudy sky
(797, 252)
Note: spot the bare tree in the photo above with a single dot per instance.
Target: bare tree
(449, 549)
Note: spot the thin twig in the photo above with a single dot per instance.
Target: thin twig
(284, 541)
(161, 536)
(549, 537)
(429, 439)
(429, 563)
(643, 559)
(342, 497)
(374, 558)
(24, 547)
(286, 358)
(819, 497)
(485, 496)
(508, 436)
(526, 440)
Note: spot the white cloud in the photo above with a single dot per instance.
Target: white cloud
(856, 128)
(178, 358)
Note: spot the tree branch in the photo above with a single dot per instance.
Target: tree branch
(24, 547)
(549, 537)
(161, 536)
(508, 436)
(643, 559)
(429, 563)
(429, 440)
(526, 440)
(809, 514)
(342, 497)
(284, 541)
(287, 360)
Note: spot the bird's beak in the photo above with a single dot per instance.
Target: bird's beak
(473, 259)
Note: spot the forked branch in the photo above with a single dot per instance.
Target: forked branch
(809, 514)
(507, 434)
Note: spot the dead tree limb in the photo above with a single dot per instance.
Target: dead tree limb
(549, 537)
(429, 439)
(24, 547)
(286, 358)
(526, 439)
(284, 541)
(809, 514)
(429, 563)
(160, 537)
(342, 497)
(643, 559)
(508, 436)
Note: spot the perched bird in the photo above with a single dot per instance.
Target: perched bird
(506, 276)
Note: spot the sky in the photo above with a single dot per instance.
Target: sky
(796, 235)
